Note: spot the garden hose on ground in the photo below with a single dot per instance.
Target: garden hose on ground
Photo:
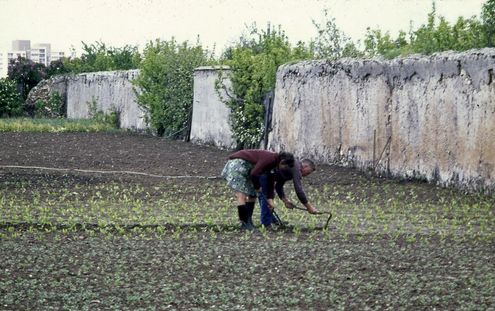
(107, 172)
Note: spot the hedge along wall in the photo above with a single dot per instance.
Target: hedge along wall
(210, 118)
(111, 91)
(424, 117)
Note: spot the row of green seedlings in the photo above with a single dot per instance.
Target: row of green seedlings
(355, 220)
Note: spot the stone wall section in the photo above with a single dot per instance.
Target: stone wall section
(109, 91)
(427, 117)
(210, 118)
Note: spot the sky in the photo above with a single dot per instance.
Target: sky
(65, 23)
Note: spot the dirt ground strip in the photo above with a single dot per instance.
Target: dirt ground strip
(202, 268)
(129, 152)
(143, 154)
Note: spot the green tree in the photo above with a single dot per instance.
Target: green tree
(56, 68)
(124, 58)
(434, 36)
(423, 39)
(10, 99)
(376, 43)
(254, 61)
(468, 34)
(331, 42)
(488, 19)
(165, 84)
(26, 73)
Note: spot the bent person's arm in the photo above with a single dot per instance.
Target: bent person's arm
(301, 195)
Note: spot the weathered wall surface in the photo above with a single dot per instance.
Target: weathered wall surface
(423, 117)
(111, 91)
(210, 118)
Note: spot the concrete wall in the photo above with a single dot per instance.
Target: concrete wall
(111, 90)
(210, 118)
(423, 117)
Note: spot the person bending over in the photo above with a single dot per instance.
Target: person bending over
(242, 173)
(278, 178)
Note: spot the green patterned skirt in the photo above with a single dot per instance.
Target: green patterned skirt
(237, 174)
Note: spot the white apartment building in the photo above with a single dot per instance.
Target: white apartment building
(40, 53)
(15, 54)
(54, 56)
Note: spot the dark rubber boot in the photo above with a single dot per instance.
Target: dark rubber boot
(249, 213)
(242, 212)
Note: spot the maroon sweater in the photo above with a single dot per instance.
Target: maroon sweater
(263, 161)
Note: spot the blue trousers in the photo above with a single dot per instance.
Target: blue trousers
(266, 216)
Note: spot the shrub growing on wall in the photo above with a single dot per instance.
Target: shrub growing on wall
(10, 99)
(51, 108)
(165, 84)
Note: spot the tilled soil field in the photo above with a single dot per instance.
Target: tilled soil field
(99, 221)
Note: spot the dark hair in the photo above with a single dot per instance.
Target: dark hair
(309, 163)
(286, 158)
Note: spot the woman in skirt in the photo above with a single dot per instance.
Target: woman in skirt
(242, 173)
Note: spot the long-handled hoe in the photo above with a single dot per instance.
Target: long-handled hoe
(318, 213)
(303, 209)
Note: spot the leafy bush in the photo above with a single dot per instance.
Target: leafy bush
(99, 57)
(57, 67)
(331, 42)
(254, 61)
(10, 99)
(435, 36)
(488, 21)
(166, 84)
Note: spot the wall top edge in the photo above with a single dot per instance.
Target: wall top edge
(475, 66)
(446, 55)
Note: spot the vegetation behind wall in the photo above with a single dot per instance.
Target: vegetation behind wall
(167, 66)
(165, 84)
(254, 61)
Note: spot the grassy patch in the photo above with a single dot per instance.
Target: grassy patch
(54, 125)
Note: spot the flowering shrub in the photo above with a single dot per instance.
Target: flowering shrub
(52, 108)
(10, 100)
